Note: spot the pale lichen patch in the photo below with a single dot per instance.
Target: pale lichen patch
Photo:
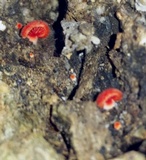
(2, 26)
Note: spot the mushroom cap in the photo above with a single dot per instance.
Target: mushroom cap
(108, 97)
(34, 30)
(19, 25)
(117, 125)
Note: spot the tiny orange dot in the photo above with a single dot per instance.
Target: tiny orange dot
(73, 77)
(117, 125)
(19, 25)
(31, 55)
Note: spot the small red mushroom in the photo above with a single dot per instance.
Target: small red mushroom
(107, 99)
(117, 125)
(34, 30)
(19, 25)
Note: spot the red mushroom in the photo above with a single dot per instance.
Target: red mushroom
(34, 30)
(117, 125)
(107, 99)
(19, 25)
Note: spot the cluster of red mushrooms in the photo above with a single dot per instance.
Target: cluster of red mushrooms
(40, 29)
(108, 99)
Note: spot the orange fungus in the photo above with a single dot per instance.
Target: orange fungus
(34, 30)
(19, 25)
(31, 55)
(107, 99)
(117, 125)
(73, 77)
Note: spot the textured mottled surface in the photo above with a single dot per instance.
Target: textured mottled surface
(82, 123)
(44, 113)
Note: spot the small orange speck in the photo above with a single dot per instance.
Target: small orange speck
(73, 77)
(19, 25)
(117, 125)
(31, 55)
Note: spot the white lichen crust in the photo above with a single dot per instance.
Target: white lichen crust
(2, 26)
(78, 36)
